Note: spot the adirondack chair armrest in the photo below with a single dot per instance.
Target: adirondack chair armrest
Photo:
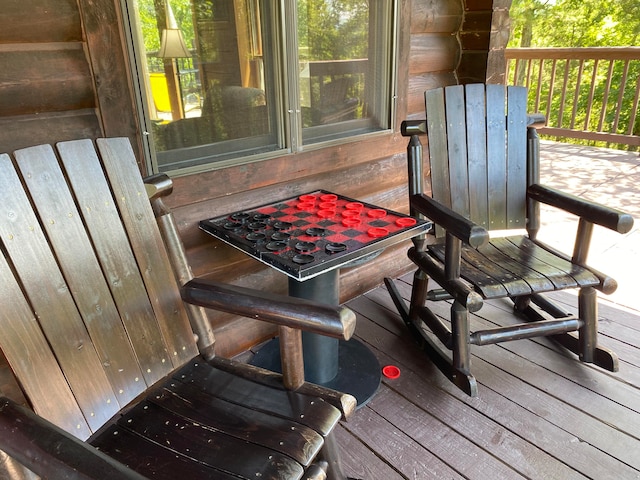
(344, 402)
(333, 321)
(454, 223)
(593, 212)
(51, 452)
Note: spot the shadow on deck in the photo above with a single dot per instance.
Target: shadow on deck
(540, 413)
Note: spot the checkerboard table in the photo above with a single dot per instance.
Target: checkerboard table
(308, 235)
(309, 238)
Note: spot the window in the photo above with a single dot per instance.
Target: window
(231, 81)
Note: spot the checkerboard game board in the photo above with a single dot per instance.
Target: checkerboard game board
(309, 234)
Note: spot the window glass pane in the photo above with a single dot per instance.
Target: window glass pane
(208, 80)
(221, 80)
(338, 57)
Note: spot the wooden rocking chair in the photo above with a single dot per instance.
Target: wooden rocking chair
(484, 156)
(119, 371)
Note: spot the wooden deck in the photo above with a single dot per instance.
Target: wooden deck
(540, 413)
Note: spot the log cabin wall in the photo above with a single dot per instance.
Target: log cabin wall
(474, 41)
(65, 75)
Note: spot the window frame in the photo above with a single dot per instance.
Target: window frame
(286, 109)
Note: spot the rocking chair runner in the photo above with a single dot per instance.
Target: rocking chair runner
(94, 329)
(484, 156)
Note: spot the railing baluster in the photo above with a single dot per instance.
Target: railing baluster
(623, 84)
(592, 89)
(605, 97)
(539, 89)
(576, 94)
(634, 109)
(563, 93)
(552, 82)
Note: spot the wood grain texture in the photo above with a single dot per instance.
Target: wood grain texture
(27, 90)
(103, 23)
(436, 16)
(129, 193)
(51, 300)
(40, 21)
(64, 227)
(19, 336)
(433, 53)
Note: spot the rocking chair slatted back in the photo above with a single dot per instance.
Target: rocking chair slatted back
(107, 357)
(476, 150)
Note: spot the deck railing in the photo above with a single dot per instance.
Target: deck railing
(586, 93)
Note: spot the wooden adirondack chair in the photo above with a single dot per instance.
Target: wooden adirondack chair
(119, 370)
(484, 156)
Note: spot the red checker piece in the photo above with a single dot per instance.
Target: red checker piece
(391, 372)
(354, 206)
(351, 222)
(326, 213)
(328, 197)
(350, 213)
(327, 205)
(406, 222)
(377, 213)
(307, 198)
(306, 206)
(377, 232)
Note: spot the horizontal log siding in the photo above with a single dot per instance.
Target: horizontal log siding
(474, 38)
(46, 83)
(40, 21)
(64, 73)
(434, 49)
(66, 69)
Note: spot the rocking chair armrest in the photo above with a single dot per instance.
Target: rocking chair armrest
(593, 212)
(333, 321)
(536, 120)
(49, 451)
(454, 223)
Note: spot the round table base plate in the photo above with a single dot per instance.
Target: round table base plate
(358, 369)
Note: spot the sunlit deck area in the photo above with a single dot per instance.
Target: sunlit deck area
(537, 415)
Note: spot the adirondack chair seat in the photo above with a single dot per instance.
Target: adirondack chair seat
(484, 172)
(210, 423)
(116, 362)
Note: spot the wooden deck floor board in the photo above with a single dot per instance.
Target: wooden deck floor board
(396, 448)
(485, 433)
(554, 357)
(540, 413)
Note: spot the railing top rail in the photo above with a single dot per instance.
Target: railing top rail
(602, 53)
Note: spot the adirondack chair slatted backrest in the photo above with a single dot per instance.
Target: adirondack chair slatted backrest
(83, 262)
(477, 150)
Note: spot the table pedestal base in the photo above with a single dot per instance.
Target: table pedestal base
(358, 369)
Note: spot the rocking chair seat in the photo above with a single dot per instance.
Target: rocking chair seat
(516, 265)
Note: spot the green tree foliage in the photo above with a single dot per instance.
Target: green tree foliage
(333, 29)
(579, 24)
(574, 23)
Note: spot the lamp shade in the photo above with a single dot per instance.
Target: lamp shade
(172, 44)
